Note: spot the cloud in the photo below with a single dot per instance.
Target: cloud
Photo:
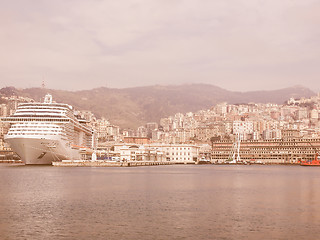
(238, 45)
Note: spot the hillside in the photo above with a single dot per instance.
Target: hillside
(132, 107)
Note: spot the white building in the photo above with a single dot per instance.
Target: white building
(181, 153)
(135, 152)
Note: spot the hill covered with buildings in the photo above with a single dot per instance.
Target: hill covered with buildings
(288, 132)
(133, 107)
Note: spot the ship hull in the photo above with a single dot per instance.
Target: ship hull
(310, 164)
(314, 163)
(42, 150)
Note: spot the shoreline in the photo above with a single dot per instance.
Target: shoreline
(89, 163)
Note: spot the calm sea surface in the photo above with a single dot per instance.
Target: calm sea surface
(160, 202)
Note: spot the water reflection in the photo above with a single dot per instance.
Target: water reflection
(165, 202)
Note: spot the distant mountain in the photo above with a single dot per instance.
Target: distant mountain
(132, 107)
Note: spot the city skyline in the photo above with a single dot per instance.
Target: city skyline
(239, 45)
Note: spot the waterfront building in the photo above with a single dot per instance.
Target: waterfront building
(139, 153)
(289, 150)
(178, 153)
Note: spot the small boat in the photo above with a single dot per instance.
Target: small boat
(314, 162)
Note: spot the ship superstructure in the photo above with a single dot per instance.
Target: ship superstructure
(44, 132)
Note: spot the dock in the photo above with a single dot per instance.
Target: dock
(11, 161)
(88, 163)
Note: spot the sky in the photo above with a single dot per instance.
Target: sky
(239, 45)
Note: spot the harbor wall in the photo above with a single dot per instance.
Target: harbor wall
(84, 163)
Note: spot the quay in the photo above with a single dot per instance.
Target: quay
(10, 161)
(89, 163)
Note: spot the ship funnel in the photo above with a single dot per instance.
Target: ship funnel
(48, 98)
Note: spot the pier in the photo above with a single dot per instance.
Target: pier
(10, 161)
(88, 163)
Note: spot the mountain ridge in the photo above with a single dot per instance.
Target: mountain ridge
(133, 107)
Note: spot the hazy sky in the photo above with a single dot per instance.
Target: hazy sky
(235, 44)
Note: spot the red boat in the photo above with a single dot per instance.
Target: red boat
(314, 162)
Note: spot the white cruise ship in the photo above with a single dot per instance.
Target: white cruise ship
(44, 132)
